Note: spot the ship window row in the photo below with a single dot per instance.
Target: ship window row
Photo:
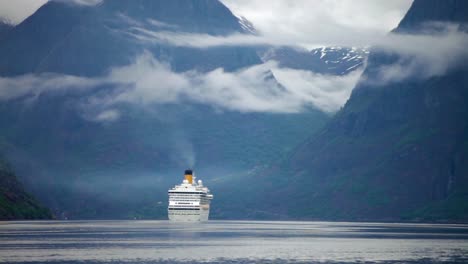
(172, 195)
(186, 196)
(186, 213)
(183, 209)
(184, 200)
(186, 193)
(189, 200)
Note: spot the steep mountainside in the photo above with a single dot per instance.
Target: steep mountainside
(397, 150)
(4, 29)
(122, 169)
(15, 203)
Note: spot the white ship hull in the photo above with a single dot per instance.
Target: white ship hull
(189, 201)
(188, 215)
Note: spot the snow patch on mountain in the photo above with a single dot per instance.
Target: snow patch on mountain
(325, 60)
(246, 25)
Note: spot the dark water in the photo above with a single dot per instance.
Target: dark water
(230, 242)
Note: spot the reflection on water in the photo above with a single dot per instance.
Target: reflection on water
(230, 242)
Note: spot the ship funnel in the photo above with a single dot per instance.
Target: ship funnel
(189, 176)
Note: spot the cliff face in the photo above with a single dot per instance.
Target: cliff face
(393, 152)
(15, 203)
(397, 150)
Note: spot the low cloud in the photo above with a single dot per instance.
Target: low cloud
(80, 2)
(328, 93)
(33, 85)
(434, 51)
(422, 56)
(442, 46)
(260, 88)
(107, 116)
(148, 81)
(253, 89)
(149, 36)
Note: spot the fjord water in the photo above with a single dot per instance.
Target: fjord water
(230, 242)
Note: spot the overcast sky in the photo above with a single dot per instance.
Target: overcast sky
(16, 11)
(334, 21)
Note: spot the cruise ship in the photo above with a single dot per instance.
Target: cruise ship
(189, 201)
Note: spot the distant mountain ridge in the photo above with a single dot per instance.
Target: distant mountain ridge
(87, 40)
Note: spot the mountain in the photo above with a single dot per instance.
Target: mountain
(326, 60)
(4, 29)
(396, 151)
(86, 40)
(15, 203)
(83, 168)
(202, 16)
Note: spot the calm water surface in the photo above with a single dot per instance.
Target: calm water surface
(230, 242)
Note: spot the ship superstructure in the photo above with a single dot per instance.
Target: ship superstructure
(189, 201)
